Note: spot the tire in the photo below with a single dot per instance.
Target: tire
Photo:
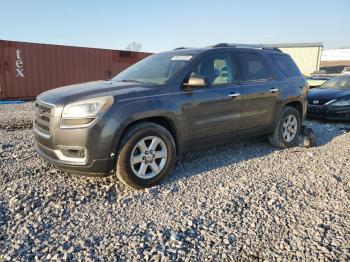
(278, 138)
(134, 145)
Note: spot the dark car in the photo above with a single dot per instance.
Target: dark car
(331, 100)
(137, 123)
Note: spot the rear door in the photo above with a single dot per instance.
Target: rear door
(259, 89)
(215, 109)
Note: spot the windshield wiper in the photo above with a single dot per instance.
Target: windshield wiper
(131, 81)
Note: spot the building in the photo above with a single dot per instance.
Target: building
(340, 54)
(306, 55)
(335, 60)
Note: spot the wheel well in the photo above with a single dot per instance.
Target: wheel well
(298, 106)
(162, 121)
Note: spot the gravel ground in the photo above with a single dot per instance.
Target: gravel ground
(240, 201)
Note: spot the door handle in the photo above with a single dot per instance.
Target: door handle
(273, 90)
(233, 95)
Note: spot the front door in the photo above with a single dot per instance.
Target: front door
(215, 109)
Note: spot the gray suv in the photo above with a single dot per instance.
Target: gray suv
(139, 122)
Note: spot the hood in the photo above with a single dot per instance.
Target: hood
(323, 93)
(72, 93)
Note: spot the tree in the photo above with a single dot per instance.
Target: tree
(133, 46)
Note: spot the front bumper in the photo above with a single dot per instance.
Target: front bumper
(328, 112)
(96, 142)
(97, 167)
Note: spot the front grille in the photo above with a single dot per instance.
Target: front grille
(320, 101)
(43, 115)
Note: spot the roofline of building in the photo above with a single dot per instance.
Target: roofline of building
(296, 45)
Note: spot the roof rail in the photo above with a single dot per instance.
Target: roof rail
(179, 48)
(248, 46)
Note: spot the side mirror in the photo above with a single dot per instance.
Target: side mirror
(196, 81)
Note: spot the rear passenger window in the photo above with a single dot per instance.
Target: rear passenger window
(286, 64)
(252, 67)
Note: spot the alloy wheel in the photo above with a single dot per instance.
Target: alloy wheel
(148, 157)
(289, 128)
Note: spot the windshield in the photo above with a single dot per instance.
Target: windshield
(339, 82)
(155, 69)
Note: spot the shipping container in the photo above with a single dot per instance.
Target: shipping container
(28, 69)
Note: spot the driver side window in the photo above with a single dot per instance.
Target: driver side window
(216, 69)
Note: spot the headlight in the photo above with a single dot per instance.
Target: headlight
(83, 113)
(341, 103)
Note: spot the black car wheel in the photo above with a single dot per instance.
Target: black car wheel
(287, 129)
(146, 155)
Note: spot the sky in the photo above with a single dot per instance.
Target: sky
(164, 25)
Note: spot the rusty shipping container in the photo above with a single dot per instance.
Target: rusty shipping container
(28, 69)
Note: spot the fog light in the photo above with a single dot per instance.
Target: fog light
(72, 154)
(76, 153)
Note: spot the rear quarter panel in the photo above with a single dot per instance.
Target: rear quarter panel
(293, 89)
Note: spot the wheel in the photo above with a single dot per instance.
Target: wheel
(287, 129)
(146, 155)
